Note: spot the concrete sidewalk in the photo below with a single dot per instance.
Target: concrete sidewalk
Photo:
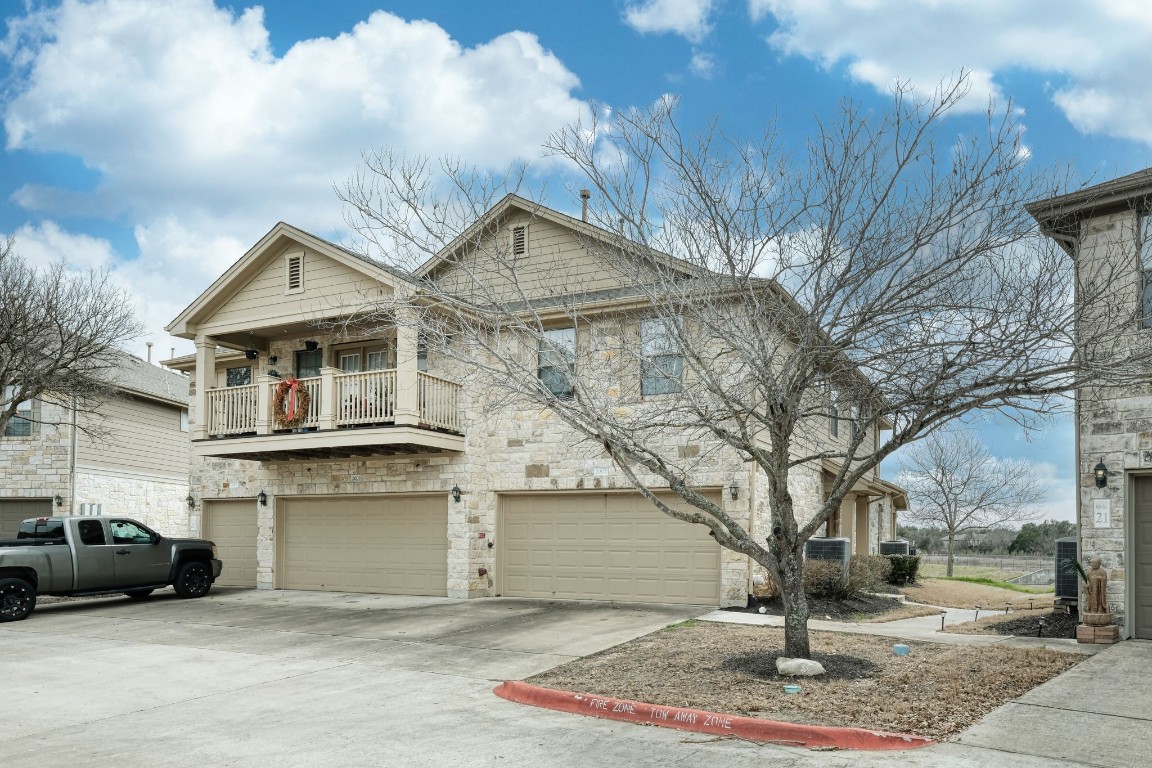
(922, 628)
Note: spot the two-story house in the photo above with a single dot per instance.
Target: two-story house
(397, 476)
(1107, 228)
(133, 461)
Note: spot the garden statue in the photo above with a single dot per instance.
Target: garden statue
(1096, 595)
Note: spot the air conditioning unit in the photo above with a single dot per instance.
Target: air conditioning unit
(895, 547)
(829, 548)
(912, 548)
(1067, 577)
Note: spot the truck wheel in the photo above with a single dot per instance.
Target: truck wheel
(138, 594)
(193, 580)
(17, 599)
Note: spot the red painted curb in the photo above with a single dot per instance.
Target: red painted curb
(751, 728)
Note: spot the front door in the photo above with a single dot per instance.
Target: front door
(138, 560)
(1142, 558)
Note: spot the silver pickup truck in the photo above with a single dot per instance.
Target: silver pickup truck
(97, 556)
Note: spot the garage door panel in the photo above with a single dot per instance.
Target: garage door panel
(604, 546)
(232, 526)
(392, 545)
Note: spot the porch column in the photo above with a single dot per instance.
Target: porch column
(861, 543)
(205, 379)
(327, 416)
(407, 379)
(848, 517)
(264, 404)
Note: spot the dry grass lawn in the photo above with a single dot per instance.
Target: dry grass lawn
(936, 691)
(962, 594)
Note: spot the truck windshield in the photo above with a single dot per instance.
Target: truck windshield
(41, 529)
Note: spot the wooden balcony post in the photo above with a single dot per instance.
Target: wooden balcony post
(329, 402)
(205, 379)
(407, 380)
(264, 404)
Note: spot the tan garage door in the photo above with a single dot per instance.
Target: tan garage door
(14, 511)
(231, 525)
(394, 545)
(1142, 562)
(604, 547)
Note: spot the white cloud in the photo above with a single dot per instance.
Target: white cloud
(688, 18)
(702, 64)
(1095, 51)
(203, 138)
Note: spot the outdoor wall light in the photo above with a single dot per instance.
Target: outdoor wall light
(734, 490)
(456, 493)
(1101, 473)
(191, 501)
(59, 500)
(251, 354)
(263, 499)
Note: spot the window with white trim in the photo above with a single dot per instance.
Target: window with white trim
(294, 273)
(556, 361)
(833, 411)
(1145, 245)
(183, 421)
(22, 423)
(662, 363)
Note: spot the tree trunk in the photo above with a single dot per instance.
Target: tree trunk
(951, 548)
(796, 643)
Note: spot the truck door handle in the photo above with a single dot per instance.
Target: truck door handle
(123, 551)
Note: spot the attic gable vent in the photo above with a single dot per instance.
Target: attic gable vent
(294, 272)
(519, 240)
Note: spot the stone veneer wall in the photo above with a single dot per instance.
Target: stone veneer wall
(158, 504)
(37, 466)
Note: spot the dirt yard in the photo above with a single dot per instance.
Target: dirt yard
(935, 691)
(963, 594)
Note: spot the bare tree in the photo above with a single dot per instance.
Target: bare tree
(60, 333)
(953, 481)
(885, 279)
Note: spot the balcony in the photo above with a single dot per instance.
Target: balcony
(374, 413)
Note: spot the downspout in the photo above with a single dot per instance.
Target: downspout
(72, 463)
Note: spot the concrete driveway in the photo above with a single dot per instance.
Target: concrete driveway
(286, 679)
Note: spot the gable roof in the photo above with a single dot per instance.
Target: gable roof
(512, 202)
(248, 265)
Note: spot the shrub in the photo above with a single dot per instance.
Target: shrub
(868, 573)
(905, 569)
(825, 579)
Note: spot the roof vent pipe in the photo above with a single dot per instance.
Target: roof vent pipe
(149, 345)
(584, 195)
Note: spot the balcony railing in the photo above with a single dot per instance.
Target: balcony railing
(232, 411)
(359, 399)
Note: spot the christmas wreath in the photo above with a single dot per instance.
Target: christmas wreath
(290, 404)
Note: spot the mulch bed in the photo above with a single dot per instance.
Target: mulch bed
(859, 608)
(1057, 624)
(935, 691)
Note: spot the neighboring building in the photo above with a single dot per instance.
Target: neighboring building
(360, 497)
(138, 467)
(1107, 228)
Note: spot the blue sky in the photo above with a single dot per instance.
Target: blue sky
(161, 138)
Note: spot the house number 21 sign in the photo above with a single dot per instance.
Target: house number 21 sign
(1102, 513)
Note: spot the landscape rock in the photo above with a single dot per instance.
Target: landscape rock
(798, 667)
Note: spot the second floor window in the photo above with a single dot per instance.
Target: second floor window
(1145, 245)
(662, 364)
(20, 425)
(556, 360)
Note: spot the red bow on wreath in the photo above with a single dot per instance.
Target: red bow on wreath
(290, 404)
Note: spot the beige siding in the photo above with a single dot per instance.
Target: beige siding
(265, 297)
(556, 261)
(145, 437)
